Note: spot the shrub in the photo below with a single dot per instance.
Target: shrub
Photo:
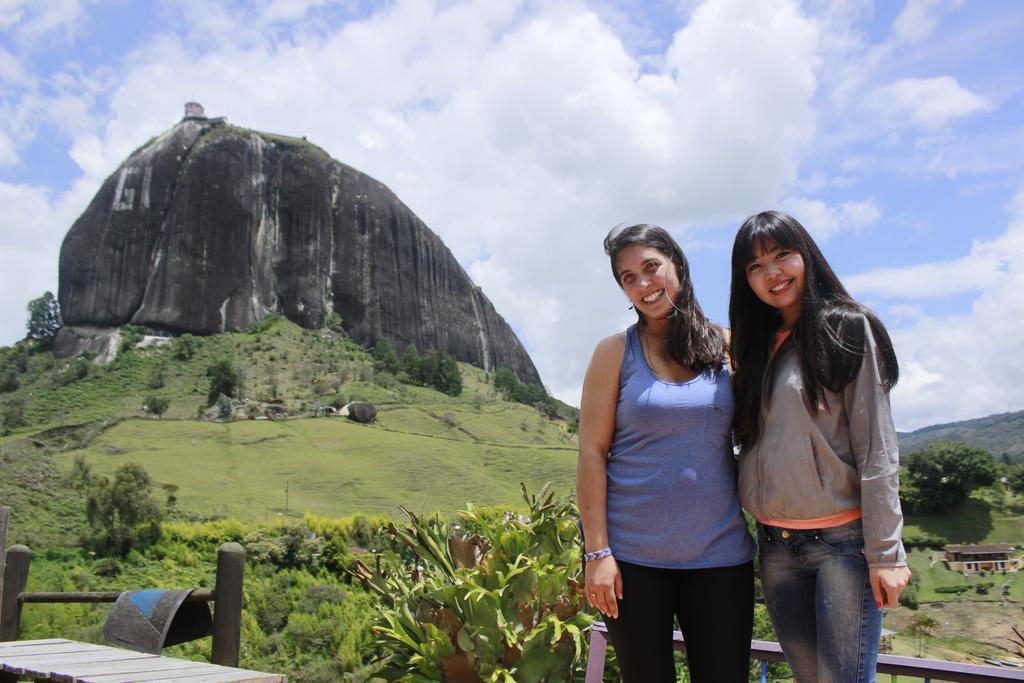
(384, 357)
(924, 539)
(184, 347)
(130, 336)
(224, 379)
(122, 511)
(8, 381)
(267, 323)
(156, 405)
(76, 370)
(13, 414)
(157, 378)
(502, 604)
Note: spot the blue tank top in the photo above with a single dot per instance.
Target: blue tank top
(672, 499)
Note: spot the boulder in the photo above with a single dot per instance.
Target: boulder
(364, 413)
(210, 227)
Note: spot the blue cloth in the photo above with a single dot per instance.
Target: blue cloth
(672, 499)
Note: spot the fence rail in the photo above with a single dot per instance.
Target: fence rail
(767, 651)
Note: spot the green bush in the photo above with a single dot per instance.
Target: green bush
(130, 336)
(503, 603)
(224, 379)
(8, 381)
(184, 347)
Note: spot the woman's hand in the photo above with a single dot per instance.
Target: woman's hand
(604, 586)
(887, 583)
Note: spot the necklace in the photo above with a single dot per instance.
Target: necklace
(648, 355)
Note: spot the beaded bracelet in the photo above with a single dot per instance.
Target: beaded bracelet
(597, 554)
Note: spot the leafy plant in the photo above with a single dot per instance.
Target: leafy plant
(498, 601)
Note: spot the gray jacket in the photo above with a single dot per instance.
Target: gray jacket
(807, 465)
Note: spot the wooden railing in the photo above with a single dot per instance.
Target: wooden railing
(226, 597)
(767, 651)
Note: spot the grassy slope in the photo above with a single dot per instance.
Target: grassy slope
(331, 466)
(428, 451)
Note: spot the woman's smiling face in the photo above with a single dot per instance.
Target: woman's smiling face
(649, 278)
(776, 275)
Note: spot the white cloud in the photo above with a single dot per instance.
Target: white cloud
(31, 22)
(919, 18)
(825, 221)
(30, 236)
(960, 366)
(989, 264)
(928, 102)
(519, 135)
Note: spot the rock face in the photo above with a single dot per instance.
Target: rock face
(210, 227)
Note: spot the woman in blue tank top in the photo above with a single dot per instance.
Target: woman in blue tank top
(656, 477)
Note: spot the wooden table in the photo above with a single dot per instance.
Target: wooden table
(68, 661)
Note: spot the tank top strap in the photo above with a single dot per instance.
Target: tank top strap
(633, 350)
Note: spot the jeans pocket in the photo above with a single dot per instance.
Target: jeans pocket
(846, 539)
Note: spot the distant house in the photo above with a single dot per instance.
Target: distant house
(971, 559)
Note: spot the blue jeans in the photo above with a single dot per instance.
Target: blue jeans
(816, 588)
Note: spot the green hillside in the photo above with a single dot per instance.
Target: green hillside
(427, 450)
(998, 434)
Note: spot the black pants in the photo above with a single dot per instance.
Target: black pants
(715, 609)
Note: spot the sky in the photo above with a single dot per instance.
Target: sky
(522, 131)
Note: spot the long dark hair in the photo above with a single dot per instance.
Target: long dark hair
(828, 336)
(693, 341)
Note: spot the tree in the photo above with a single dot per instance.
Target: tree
(43, 319)
(156, 405)
(1015, 473)
(921, 626)
(449, 377)
(123, 511)
(385, 358)
(411, 362)
(942, 475)
(505, 380)
(224, 379)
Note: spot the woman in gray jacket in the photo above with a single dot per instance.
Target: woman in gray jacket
(818, 454)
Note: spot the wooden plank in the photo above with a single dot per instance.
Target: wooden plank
(48, 666)
(44, 665)
(154, 671)
(14, 645)
(156, 665)
(232, 676)
(55, 649)
(68, 661)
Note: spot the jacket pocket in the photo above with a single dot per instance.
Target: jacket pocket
(809, 462)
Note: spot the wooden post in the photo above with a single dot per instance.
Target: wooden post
(15, 579)
(5, 516)
(227, 605)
